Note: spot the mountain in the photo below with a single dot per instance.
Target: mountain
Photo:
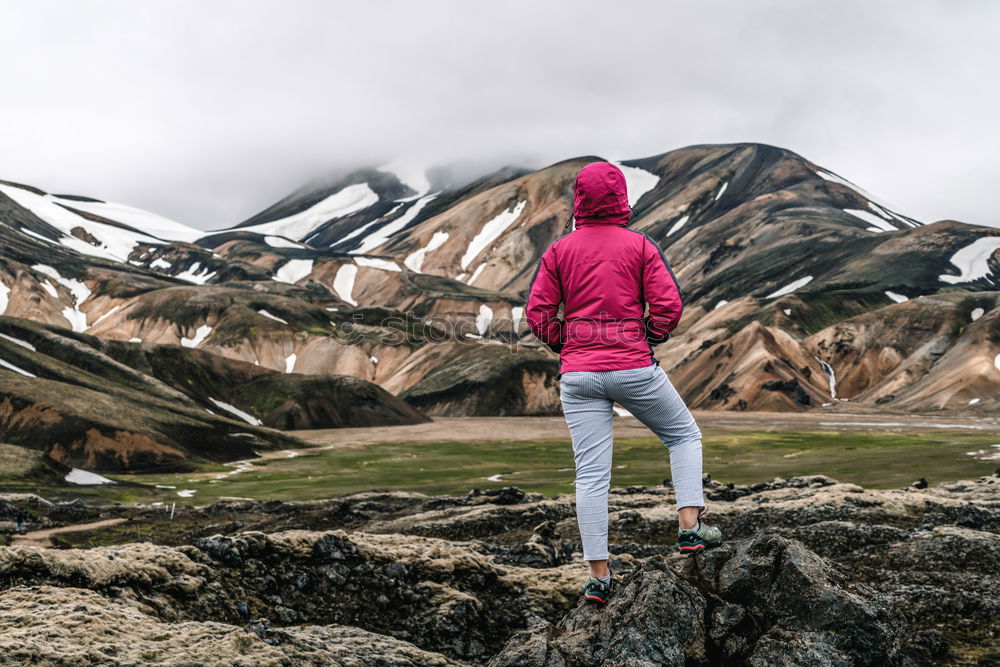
(108, 406)
(802, 290)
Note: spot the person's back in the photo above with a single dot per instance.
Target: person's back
(603, 273)
(605, 276)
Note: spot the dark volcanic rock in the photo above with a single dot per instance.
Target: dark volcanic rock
(813, 571)
(763, 601)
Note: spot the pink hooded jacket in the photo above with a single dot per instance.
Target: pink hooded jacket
(604, 275)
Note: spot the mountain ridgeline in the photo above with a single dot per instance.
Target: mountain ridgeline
(390, 294)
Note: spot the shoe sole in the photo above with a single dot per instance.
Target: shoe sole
(698, 546)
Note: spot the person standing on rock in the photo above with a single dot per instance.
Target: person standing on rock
(604, 275)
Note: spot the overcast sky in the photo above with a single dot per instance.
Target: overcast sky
(207, 111)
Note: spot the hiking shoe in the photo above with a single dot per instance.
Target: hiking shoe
(693, 541)
(596, 591)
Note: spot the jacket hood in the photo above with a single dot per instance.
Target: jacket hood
(600, 195)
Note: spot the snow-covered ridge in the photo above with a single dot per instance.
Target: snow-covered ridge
(144, 221)
(299, 226)
(114, 242)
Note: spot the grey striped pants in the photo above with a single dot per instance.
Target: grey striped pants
(648, 394)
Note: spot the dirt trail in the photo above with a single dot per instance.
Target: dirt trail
(43, 538)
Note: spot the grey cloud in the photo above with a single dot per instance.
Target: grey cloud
(207, 112)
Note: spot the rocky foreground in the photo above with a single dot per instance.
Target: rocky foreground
(814, 572)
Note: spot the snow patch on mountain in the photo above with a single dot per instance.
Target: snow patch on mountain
(143, 221)
(972, 260)
(877, 223)
(365, 226)
(834, 178)
(791, 287)
(415, 260)
(720, 304)
(377, 263)
(160, 263)
(16, 369)
(898, 298)
(517, 314)
(484, 318)
(343, 282)
(85, 477)
(290, 363)
(195, 274)
(880, 211)
(490, 232)
(233, 410)
(105, 316)
(721, 191)
(77, 319)
(280, 242)
(678, 225)
(382, 234)
(410, 173)
(4, 297)
(344, 202)
(638, 182)
(17, 341)
(200, 334)
(996, 362)
(475, 274)
(974, 315)
(116, 243)
(268, 315)
(293, 271)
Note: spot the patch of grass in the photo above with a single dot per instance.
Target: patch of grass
(873, 460)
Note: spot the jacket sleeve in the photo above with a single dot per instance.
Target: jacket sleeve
(662, 292)
(543, 302)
